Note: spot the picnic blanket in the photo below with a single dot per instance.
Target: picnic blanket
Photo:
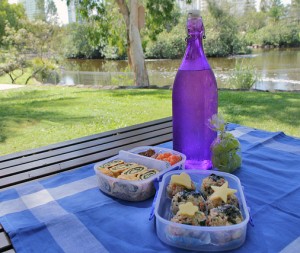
(68, 213)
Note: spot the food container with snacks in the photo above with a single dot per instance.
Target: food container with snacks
(130, 175)
(201, 210)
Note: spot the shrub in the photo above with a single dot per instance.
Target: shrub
(284, 35)
(243, 76)
(45, 71)
(169, 45)
(123, 78)
(78, 43)
(222, 39)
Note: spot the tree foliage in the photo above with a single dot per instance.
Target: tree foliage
(276, 26)
(222, 32)
(10, 14)
(276, 10)
(13, 65)
(102, 30)
(83, 41)
(32, 39)
(168, 44)
(103, 33)
(162, 15)
(47, 11)
(295, 12)
(132, 16)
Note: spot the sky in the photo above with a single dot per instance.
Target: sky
(62, 9)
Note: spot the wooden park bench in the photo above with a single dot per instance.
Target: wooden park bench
(30, 165)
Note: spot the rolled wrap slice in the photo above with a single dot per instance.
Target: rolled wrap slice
(106, 171)
(118, 169)
(111, 164)
(128, 177)
(132, 165)
(146, 174)
(134, 171)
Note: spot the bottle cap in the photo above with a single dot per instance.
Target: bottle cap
(194, 13)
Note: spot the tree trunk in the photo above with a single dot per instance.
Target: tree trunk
(11, 78)
(135, 52)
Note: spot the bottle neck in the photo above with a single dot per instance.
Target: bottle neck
(194, 57)
(194, 49)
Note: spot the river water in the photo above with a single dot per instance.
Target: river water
(276, 69)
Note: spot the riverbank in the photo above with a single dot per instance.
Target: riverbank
(167, 87)
(131, 87)
(276, 69)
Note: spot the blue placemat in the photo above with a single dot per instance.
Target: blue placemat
(68, 213)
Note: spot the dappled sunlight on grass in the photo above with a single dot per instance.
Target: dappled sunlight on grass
(268, 111)
(38, 116)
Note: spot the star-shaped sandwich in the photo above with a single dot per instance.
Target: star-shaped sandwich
(222, 192)
(188, 209)
(182, 179)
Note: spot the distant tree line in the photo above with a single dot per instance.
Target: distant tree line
(36, 47)
(227, 32)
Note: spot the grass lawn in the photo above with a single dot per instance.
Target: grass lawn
(35, 116)
(5, 79)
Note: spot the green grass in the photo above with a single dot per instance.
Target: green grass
(5, 79)
(36, 116)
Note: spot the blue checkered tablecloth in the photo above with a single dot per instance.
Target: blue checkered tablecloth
(68, 213)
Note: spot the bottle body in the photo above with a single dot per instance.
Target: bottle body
(194, 101)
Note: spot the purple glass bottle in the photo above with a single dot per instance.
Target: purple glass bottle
(195, 100)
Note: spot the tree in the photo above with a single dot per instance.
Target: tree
(83, 40)
(276, 10)
(264, 5)
(133, 13)
(295, 11)
(11, 14)
(249, 7)
(252, 21)
(223, 31)
(47, 11)
(32, 39)
(13, 65)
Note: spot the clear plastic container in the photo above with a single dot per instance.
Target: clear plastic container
(136, 190)
(199, 238)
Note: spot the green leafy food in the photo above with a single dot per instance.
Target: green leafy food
(225, 148)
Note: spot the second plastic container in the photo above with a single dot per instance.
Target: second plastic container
(199, 238)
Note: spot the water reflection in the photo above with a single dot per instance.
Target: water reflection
(278, 69)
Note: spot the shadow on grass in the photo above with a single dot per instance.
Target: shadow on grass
(261, 106)
(255, 106)
(155, 93)
(26, 108)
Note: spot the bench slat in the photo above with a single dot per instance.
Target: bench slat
(8, 251)
(80, 153)
(83, 139)
(76, 162)
(80, 146)
(32, 165)
(5, 243)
